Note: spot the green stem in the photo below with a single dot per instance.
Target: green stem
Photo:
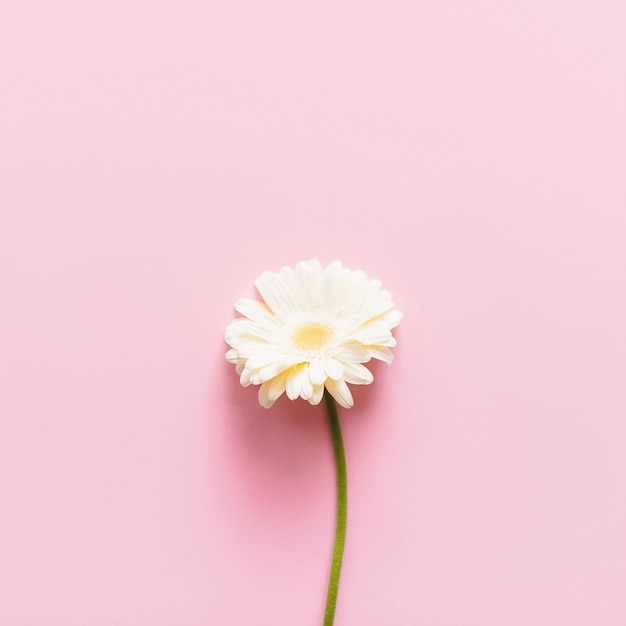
(342, 509)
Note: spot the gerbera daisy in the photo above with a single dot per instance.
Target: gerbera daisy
(313, 329)
(311, 332)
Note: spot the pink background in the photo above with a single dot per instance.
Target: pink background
(155, 157)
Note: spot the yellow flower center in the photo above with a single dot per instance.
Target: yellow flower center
(312, 336)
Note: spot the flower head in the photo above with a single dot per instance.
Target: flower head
(313, 329)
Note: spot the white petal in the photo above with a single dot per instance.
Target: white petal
(254, 310)
(382, 353)
(275, 293)
(375, 306)
(335, 284)
(307, 283)
(316, 372)
(296, 381)
(272, 371)
(373, 333)
(232, 356)
(340, 391)
(271, 390)
(317, 394)
(307, 386)
(333, 368)
(264, 397)
(393, 318)
(246, 377)
(246, 329)
(262, 360)
(352, 353)
(355, 297)
(357, 374)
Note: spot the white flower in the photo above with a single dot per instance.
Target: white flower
(314, 328)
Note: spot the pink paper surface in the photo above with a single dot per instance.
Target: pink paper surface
(155, 157)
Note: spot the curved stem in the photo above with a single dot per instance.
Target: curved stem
(342, 509)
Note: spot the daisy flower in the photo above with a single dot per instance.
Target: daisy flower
(309, 336)
(313, 329)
